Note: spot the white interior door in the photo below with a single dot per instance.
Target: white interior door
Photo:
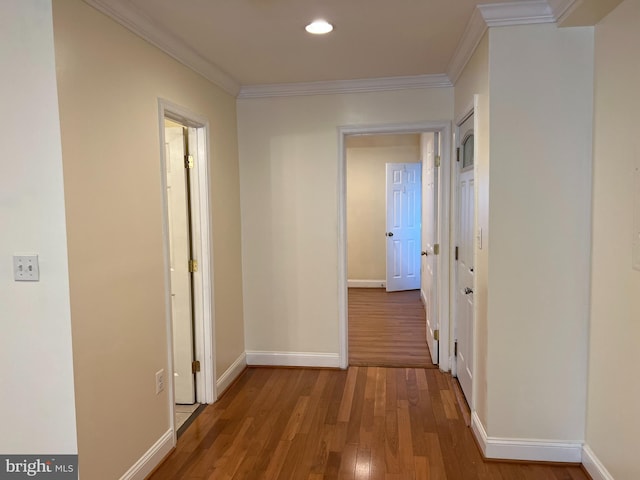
(404, 192)
(179, 256)
(465, 258)
(430, 174)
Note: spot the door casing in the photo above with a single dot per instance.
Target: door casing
(204, 321)
(445, 263)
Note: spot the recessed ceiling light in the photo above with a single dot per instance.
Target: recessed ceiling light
(319, 27)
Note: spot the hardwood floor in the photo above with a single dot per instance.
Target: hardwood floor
(387, 329)
(364, 423)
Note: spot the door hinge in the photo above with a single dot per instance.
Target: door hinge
(437, 160)
(455, 349)
(195, 366)
(436, 249)
(188, 161)
(436, 335)
(456, 253)
(193, 266)
(457, 154)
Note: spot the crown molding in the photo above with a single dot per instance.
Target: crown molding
(563, 8)
(468, 43)
(130, 17)
(524, 12)
(345, 86)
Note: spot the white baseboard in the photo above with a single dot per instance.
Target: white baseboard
(294, 359)
(424, 299)
(366, 283)
(525, 449)
(151, 459)
(230, 374)
(593, 465)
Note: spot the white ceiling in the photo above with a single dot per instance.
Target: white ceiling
(256, 42)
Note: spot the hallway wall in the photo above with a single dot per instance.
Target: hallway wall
(109, 82)
(289, 191)
(37, 408)
(613, 424)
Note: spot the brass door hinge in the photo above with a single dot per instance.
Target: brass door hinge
(436, 335)
(193, 266)
(437, 160)
(436, 249)
(456, 253)
(455, 349)
(195, 366)
(457, 154)
(188, 161)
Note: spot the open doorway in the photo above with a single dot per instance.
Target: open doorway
(188, 264)
(380, 327)
(386, 318)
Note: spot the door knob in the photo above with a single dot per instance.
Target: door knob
(467, 291)
(424, 253)
(389, 234)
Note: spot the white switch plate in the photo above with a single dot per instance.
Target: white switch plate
(26, 268)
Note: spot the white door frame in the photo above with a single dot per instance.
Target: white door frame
(444, 259)
(471, 109)
(204, 321)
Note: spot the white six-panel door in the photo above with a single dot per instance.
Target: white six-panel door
(179, 253)
(464, 265)
(430, 174)
(404, 192)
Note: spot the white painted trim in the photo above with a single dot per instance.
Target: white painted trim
(523, 12)
(204, 332)
(132, 18)
(593, 465)
(423, 299)
(524, 449)
(467, 45)
(503, 14)
(444, 128)
(152, 457)
(293, 359)
(563, 8)
(231, 373)
(367, 283)
(344, 86)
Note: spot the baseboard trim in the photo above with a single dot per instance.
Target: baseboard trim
(524, 449)
(423, 299)
(593, 465)
(152, 458)
(230, 374)
(293, 359)
(367, 283)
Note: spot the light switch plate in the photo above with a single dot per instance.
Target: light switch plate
(26, 268)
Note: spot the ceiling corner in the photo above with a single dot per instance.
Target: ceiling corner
(127, 15)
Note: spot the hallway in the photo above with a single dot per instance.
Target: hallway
(387, 329)
(362, 423)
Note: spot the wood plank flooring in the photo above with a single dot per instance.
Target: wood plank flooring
(387, 329)
(363, 423)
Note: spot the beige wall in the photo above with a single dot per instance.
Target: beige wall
(366, 158)
(109, 82)
(541, 93)
(474, 80)
(37, 410)
(289, 194)
(613, 425)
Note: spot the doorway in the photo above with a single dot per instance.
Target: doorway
(188, 263)
(346, 256)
